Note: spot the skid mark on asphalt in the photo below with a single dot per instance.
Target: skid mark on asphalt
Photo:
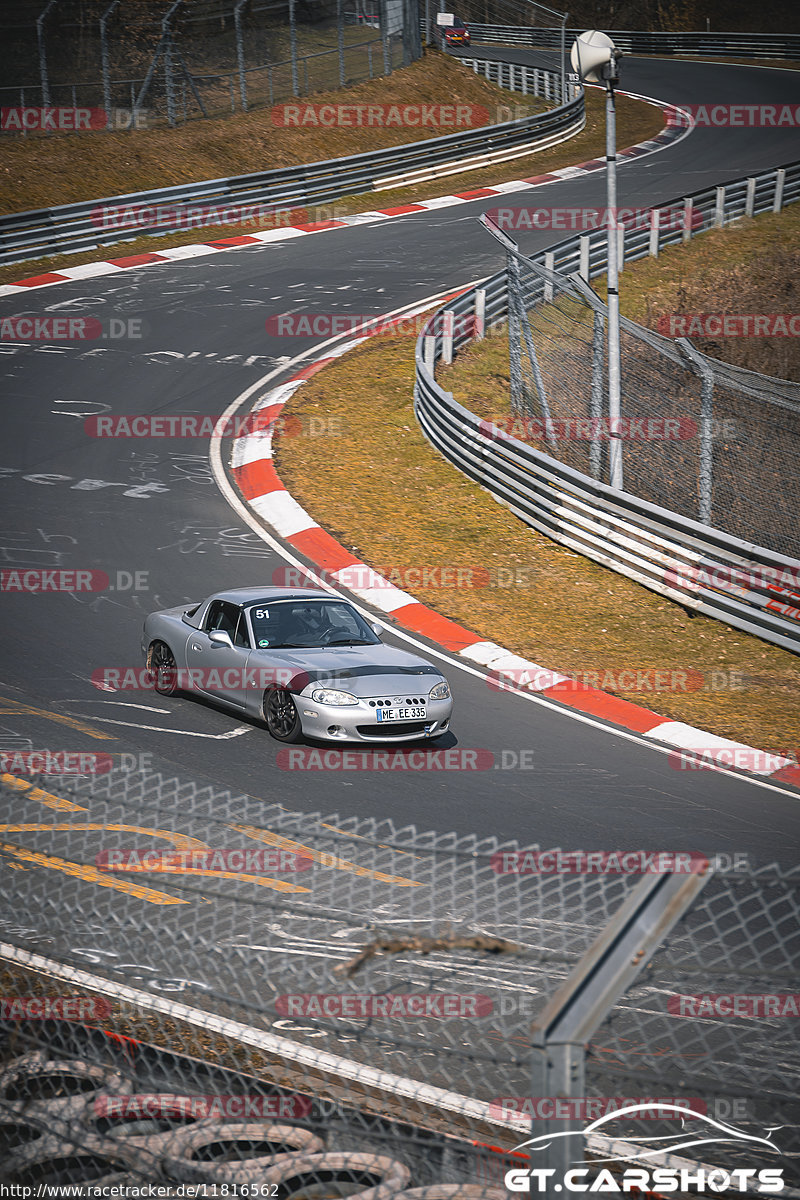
(15, 707)
(323, 859)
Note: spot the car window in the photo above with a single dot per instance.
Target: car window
(307, 623)
(222, 615)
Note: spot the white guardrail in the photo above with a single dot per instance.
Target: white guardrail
(699, 567)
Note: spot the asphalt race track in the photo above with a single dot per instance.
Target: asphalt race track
(152, 507)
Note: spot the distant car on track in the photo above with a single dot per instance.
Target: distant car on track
(306, 662)
(456, 34)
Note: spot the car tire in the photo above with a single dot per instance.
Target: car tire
(281, 715)
(161, 662)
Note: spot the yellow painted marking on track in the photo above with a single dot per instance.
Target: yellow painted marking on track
(30, 711)
(180, 841)
(34, 793)
(324, 860)
(89, 874)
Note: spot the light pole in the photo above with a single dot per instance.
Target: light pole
(594, 56)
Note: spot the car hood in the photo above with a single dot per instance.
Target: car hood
(362, 670)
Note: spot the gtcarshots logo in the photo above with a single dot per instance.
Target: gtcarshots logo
(626, 1179)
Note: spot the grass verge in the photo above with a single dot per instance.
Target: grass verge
(413, 509)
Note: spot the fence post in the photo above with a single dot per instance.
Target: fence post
(479, 331)
(384, 21)
(514, 334)
(700, 367)
(583, 269)
(719, 208)
(293, 47)
(596, 394)
(40, 38)
(340, 40)
(750, 201)
(780, 179)
(237, 21)
(104, 67)
(168, 92)
(655, 221)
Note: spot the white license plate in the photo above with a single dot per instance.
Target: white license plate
(400, 714)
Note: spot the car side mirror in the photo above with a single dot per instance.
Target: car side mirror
(220, 638)
(377, 630)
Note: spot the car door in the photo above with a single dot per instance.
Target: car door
(217, 669)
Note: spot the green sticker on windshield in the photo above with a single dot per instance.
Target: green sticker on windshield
(263, 643)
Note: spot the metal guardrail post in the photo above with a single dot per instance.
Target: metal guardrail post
(479, 330)
(749, 204)
(448, 326)
(780, 180)
(701, 368)
(583, 269)
(719, 208)
(655, 221)
(573, 1015)
(688, 208)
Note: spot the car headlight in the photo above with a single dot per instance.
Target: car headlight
(440, 692)
(330, 696)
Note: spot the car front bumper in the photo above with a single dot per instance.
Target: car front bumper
(359, 722)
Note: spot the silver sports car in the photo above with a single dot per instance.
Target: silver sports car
(304, 661)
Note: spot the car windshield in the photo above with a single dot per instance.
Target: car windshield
(284, 624)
